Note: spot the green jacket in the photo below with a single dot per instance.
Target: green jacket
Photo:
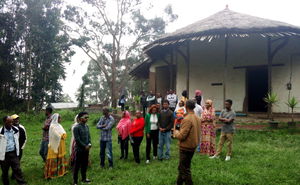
(148, 124)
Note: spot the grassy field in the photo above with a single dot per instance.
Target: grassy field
(260, 157)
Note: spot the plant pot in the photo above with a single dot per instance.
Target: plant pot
(291, 124)
(273, 124)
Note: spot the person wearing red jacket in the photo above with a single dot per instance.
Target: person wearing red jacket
(137, 134)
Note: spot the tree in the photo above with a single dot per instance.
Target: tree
(11, 25)
(111, 39)
(48, 48)
(96, 88)
(33, 49)
(81, 92)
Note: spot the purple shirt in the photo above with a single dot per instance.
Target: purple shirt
(46, 129)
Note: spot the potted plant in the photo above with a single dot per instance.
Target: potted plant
(271, 99)
(292, 103)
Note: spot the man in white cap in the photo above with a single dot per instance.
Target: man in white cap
(22, 137)
(22, 133)
(9, 151)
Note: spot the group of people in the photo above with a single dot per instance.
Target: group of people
(192, 122)
(53, 146)
(189, 121)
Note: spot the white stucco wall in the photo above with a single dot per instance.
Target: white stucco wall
(207, 61)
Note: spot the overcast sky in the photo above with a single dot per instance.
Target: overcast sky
(190, 11)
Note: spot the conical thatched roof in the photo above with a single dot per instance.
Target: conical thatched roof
(227, 23)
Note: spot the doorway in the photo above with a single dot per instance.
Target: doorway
(163, 79)
(257, 89)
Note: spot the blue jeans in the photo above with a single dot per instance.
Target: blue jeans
(164, 139)
(44, 150)
(109, 153)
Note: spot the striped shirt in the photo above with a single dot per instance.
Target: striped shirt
(105, 125)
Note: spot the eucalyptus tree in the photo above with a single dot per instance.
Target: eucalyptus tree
(111, 32)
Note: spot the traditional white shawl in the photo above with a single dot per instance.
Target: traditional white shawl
(72, 137)
(55, 133)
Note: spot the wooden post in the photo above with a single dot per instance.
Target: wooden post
(171, 69)
(225, 69)
(188, 68)
(269, 65)
(269, 53)
(186, 58)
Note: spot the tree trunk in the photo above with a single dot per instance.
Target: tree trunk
(113, 76)
(29, 80)
(19, 79)
(25, 82)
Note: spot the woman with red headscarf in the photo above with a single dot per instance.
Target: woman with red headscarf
(208, 125)
(198, 97)
(123, 128)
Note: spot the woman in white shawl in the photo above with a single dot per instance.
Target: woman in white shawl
(72, 143)
(56, 163)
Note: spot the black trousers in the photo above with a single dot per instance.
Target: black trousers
(20, 157)
(184, 168)
(154, 140)
(144, 110)
(136, 148)
(122, 106)
(123, 146)
(11, 160)
(81, 162)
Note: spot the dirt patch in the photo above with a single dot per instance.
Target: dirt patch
(247, 127)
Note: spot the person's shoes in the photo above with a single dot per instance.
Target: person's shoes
(86, 181)
(160, 159)
(148, 161)
(154, 157)
(122, 157)
(214, 157)
(227, 158)
(126, 157)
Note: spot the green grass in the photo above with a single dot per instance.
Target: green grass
(260, 157)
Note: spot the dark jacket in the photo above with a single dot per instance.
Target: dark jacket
(82, 136)
(166, 120)
(22, 136)
(144, 100)
(151, 100)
